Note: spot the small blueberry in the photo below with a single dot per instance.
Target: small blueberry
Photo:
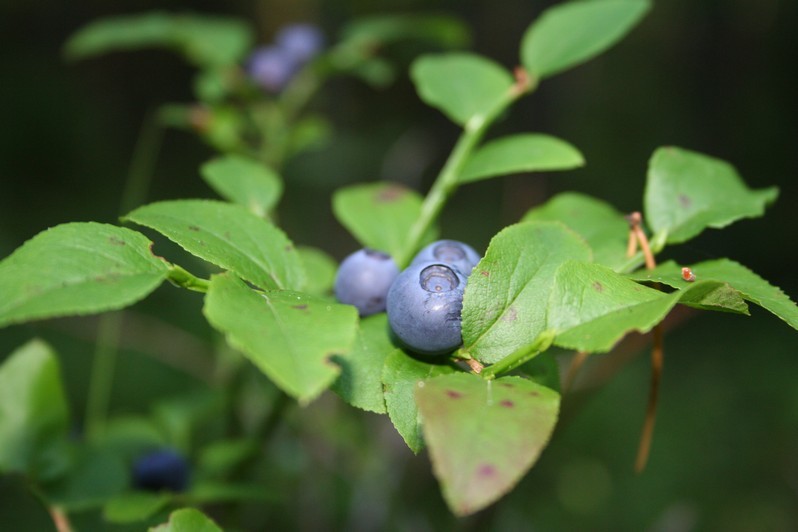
(457, 254)
(363, 280)
(163, 469)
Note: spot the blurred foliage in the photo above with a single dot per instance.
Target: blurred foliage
(717, 76)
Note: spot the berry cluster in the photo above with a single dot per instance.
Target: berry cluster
(423, 302)
(272, 67)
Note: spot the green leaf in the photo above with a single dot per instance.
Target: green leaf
(202, 40)
(134, 506)
(504, 305)
(603, 227)
(77, 268)
(751, 286)
(320, 270)
(464, 86)
(360, 383)
(244, 181)
(379, 215)
(293, 338)
(383, 29)
(686, 192)
(34, 416)
(571, 33)
(222, 457)
(187, 520)
(206, 492)
(591, 307)
(483, 436)
(526, 152)
(401, 375)
(228, 236)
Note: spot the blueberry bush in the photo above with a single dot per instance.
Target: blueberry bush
(458, 348)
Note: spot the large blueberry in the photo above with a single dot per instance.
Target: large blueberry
(302, 41)
(424, 305)
(363, 280)
(162, 469)
(452, 252)
(272, 67)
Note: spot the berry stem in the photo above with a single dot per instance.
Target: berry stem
(447, 181)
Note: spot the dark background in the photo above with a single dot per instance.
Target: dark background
(714, 76)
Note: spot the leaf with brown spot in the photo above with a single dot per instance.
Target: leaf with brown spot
(484, 441)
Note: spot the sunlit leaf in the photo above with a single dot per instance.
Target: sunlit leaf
(187, 520)
(244, 181)
(686, 192)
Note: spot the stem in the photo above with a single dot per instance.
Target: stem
(60, 519)
(657, 360)
(447, 181)
(519, 357)
(576, 364)
(102, 373)
(182, 278)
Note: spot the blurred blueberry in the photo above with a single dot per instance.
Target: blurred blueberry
(301, 41)
(272, 67)
(363, 280)
(424, 305)
(163, 469)
(452, 252)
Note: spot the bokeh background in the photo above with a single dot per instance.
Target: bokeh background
(720, 77)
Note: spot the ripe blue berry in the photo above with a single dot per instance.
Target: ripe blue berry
(363, 280)
(301, 41)
(457, 254)
(424, 305)
(163, 469)
(272, 67)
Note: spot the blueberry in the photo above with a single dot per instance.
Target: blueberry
(457, 254)
(272, 67)
(424, 305)
(162, 469)
(301, 41)
(363, 280)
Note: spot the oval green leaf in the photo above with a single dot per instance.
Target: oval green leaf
(293, 338)
(203, 40)
(320, 270)
(134, 506)
(604, 228)
(751, 286)
(401, 375)
(379, 215)
(34, 417)
(77, 268)
(360, 383)
(686, 192)
(463, 86)
(187, 520)
(244, 181)
(526, 152)
(228, 236)
(571, 33)
(504, 305)
(483, 436)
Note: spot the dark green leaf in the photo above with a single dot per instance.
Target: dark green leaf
(526, 152)
(751, 286)
(228, 236)
(202, 40)
(98, 474)
(504, 306)
(571, 33)
(383, 29)
(244, 181)
(134, 506)
(686, 192)
(462, 85)
(77, 268)
(33, 413)
(222, 457)
(400, 376)
(320, 270)
(591, 307)
(379, 215)
(187, 520)
(207, 492)
(293, 338)
(360, 383)
(483, 436)
(604, 228)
